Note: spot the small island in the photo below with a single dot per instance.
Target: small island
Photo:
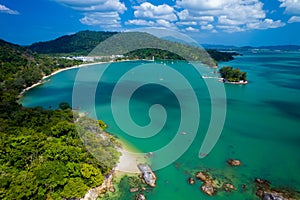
(233, 76)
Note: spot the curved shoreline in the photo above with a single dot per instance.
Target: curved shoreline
(234, 83)
(130, 156)
(128, 161)
(42, 81)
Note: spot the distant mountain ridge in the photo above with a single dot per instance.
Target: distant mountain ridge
(110, 43)
(79, 43)
(269, 47)
(282, 47)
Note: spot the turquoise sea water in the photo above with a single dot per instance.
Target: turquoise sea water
(261, 128)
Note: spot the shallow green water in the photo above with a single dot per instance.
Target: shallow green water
(261, 127)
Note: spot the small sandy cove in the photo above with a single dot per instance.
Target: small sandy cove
(129, 161)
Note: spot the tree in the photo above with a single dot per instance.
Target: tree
(64, 106)
(92, 175)
(75, 188)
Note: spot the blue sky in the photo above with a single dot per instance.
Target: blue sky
(236, 22)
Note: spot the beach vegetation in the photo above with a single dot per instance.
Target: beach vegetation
(232, 75)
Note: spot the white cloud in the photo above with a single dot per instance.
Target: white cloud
(243, 10)
(165, 23)
(225, 20)
(150, 11)
(291, 6)
(102, 13)
(188, 15)
(187, 23)
(140, 22)
(191, 29)
(227, 15)
(265, 24)
(156, 23)
(95, 5)
(108, 20)
(206, 18)
(294, 19)
(231, 28)
(4, 9)
(207, 27)
(148, 14)
(204, 4)
(185, 15)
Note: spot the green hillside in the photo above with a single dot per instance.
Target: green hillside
(134, 45)
(80, 43)
(21, 68)
(41, 153)
(139, 45)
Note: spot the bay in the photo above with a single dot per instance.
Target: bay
(261, 127)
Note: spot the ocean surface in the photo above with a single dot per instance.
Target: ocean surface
(262, 124)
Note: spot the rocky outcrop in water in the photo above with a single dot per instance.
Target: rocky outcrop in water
(148, 175)
(209, 189)
(191, 181)
(234, 162)
(140, 197)
(229, 187)
(218, 182)
(208, 186)
(265, 192)
(133, 189)
(203, 176)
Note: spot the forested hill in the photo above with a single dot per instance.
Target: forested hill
(41, 153)
(20, 68)
(84, 42)
(80, 43)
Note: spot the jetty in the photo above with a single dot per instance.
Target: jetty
(148, 174)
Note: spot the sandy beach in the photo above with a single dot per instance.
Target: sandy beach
(42, 81)
(129, 161)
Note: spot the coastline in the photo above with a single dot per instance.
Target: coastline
(128, 161)
(126, 166)
(234, 83)
(42, 81)
(129, 158)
